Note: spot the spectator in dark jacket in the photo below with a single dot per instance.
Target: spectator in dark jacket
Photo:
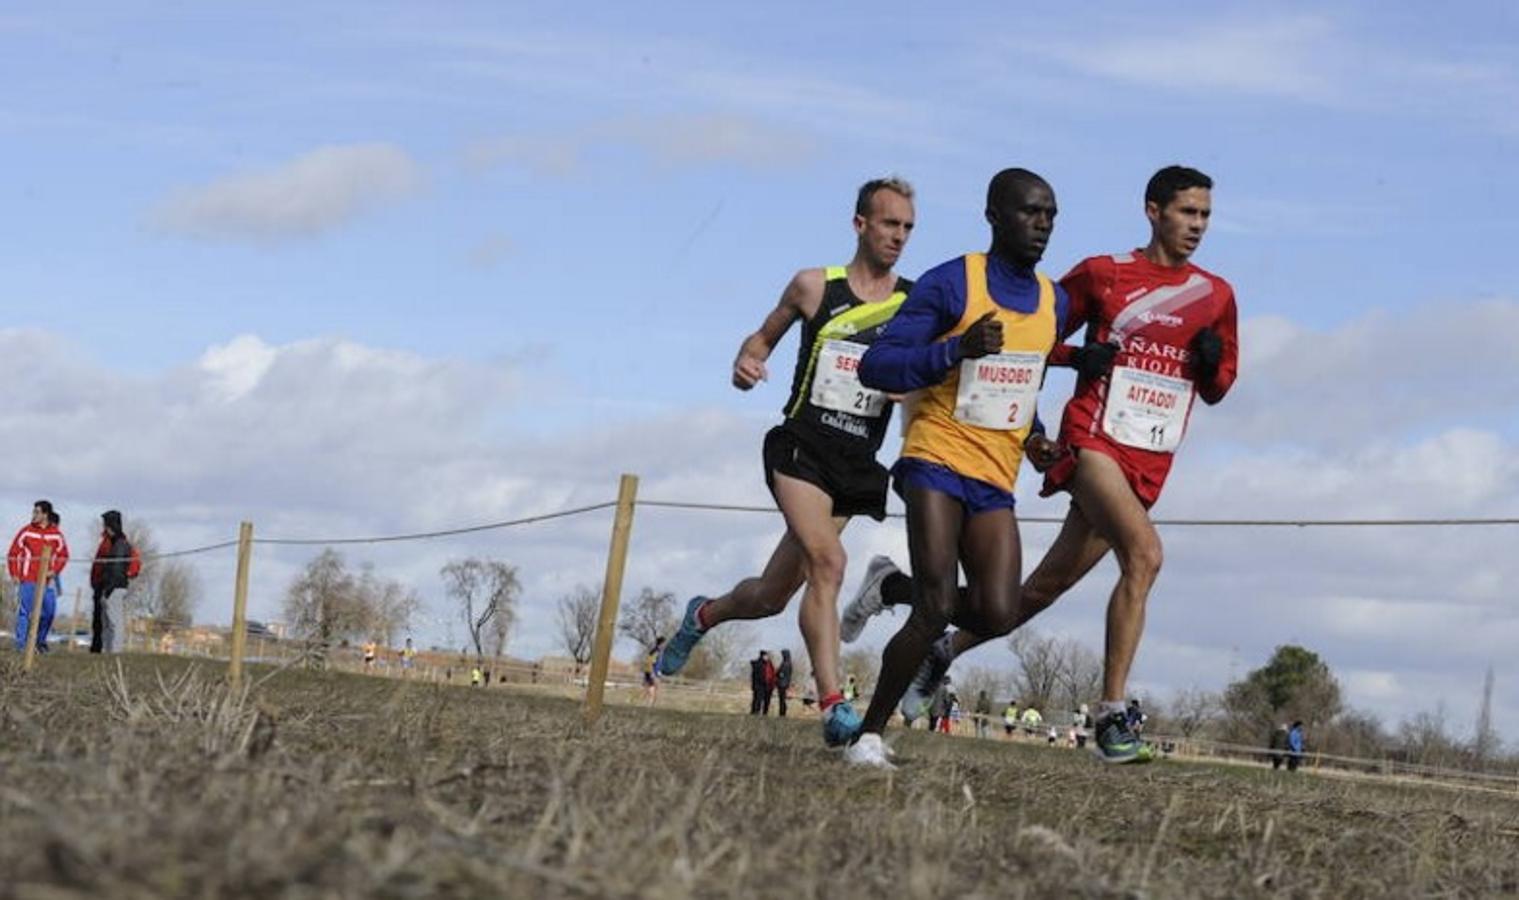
(108, 585)
(759, 701)
(1278, 746)
(783, 680)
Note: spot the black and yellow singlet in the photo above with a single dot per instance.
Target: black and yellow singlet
(827, 398)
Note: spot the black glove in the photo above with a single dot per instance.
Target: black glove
(982, 338)
(1207, 353)
(1094, 360)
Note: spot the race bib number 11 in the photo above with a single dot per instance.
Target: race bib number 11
(1146, 410)
(836, 381)
(999, 391)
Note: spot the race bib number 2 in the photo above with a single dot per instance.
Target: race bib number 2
(836, 381)
(999, 391)
(1146, 410)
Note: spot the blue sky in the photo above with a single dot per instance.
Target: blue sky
(352, 268)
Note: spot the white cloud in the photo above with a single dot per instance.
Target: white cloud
(1317, 59)
(310, 194)
(1272, 58)
(1377, 376)
(665, 141)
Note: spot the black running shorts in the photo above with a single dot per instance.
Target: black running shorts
(856, 482)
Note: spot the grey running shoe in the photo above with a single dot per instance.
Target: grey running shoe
(1117, 743)
(930, 675)
(867, 600)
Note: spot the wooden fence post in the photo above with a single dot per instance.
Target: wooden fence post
(617, 557)
(240, 604)
(39, 594)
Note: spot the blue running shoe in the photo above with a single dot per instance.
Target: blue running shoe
(841, 724)
(678, 648)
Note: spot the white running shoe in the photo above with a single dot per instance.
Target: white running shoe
(870, 751)
(867, 600)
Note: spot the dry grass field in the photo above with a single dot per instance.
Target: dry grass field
(153, 781)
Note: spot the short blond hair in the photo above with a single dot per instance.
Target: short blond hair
(893, 183)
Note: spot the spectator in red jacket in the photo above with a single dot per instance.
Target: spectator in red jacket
(24, 562)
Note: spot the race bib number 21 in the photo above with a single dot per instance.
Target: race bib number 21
(836, 383)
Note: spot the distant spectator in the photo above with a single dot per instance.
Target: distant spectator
(1010, 718)
(783, 680)
(757, 698)
(371, 649)
(1033, 721)
(770, 679)
(1135, 717)
(1295, 746)
(24, 563)
(476, 677)
(1277, 745)
(938, 707)
(1081, 726)
(408, 657)
(851, 689)
(110, 576)
(983, 714)
(650, 674)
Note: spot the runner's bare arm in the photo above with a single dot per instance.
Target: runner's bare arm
(800, 299)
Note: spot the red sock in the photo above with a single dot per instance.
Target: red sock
(831, 700)
(701, 615)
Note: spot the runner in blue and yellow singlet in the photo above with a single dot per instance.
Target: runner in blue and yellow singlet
(820, 462)
(971, 343)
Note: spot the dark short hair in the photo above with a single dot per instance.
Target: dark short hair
(1172, 180)
(45, 505)
(869, 189)
(53, 518)
(1003, 183)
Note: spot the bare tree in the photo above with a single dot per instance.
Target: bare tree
(578, 612)
(1080, 676)
(177, 594)
(1041, 659)
(719, 650)
(1191, 711)
(864, 663)
(390, 606)
(651, 615)
(324, 604)
(486, 591)
(997, 684)
(142, 596)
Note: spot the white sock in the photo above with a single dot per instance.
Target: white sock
(1107, 708)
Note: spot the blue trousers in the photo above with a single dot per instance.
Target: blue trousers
(25, 592)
